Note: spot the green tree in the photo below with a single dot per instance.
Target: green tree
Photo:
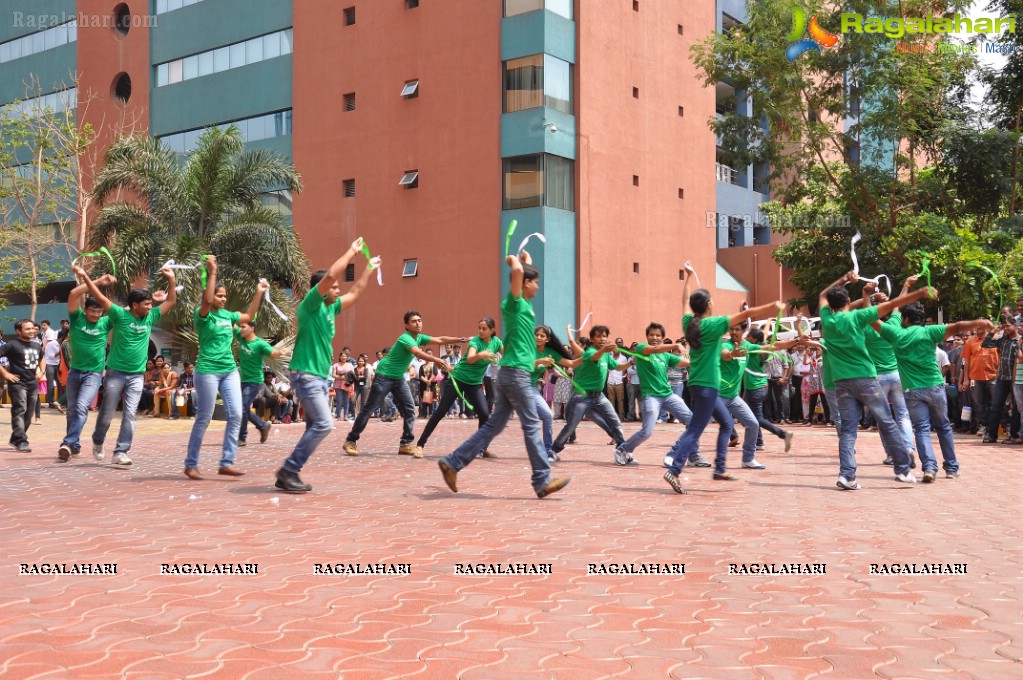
(157, 208)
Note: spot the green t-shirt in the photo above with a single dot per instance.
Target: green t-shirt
(754, 364)
(914, 348)
(540, 370)
(215, 332)
(705, 361)
(653, 374)
(732, 371)
(313, 344)
(880, 350)
(472, 374)
(518, 322)
(591, 376)
(129, 347)
(250, 357)
(847, 353)
(88, 342)
(394, 365)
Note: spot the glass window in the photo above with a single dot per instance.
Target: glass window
(523, 182)
(16, 48)
(161, 6)
(61, 34)
(192, 139)
(557, 84)
(523, 83)
(38, 43)
(161, 74)
(271, 45)
(257, 129)
(243, 127)
(513, 7)
(205, 63)
(253, 50)
(562, 7)
(237, 55)
(560, 182)
(5, 52)
(287, 122)
(221, 59)
(174, 71)
(49, 39)
(174, 4)
(72, 32)
(190, 67)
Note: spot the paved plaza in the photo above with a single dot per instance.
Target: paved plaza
(303, 613)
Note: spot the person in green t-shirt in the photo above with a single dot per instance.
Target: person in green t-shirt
(550, 351)
(216, 371)
(484, 348)
(657, 393)
(251, 351)
(390, 379)
(88, 332)
(914, 345)
(754, 381)
(589, 381)
(704, 333)
(883, 356)
(855, 376)
(126, 363)
(514, 385)
(310, 360)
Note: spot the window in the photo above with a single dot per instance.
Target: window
(410, 180)
(681, 111)
(635, 180)
(635, 5)
(538, 80)
(122, 19)
(411, 4)
(122, 88)
(223, 58)
(265, 126)
(350, 101)
(39, 41)
(349, 16)
(349, 188)
(635, 267)
(410, 269)
(635, 92)
(350, 273)
(681, 193)
(410, 90)
(681, 29)
(543, 179)
(560, 7)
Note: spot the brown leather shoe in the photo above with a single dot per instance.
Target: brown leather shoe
(724, 477)
(450, 476)
(553, 486)
(230, 471)
(192, 473)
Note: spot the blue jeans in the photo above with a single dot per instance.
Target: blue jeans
(706, 404)
(755, 400)
(383, 387)
(603, 414)
(206, 387)
(312, 390)
(891, 386)
(341, 403)
(853, 394)
(741, 412)
(115, 384)
(249, 393)
(82, 387)
(514, 393)
(652, 407)
(927, 405)
(836, 415)
(543, 412)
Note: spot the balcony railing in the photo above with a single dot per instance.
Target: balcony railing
(727, 174)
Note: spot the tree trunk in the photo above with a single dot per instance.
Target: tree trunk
(1015, 162)
(33, 293)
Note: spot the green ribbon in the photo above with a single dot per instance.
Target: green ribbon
(777, 322)
(365, 251)
(563, 373)
(633, 354)
(202, 272)
(998, 283)
(96, 253)
(454, 383)
(508, 238)
(925, 268)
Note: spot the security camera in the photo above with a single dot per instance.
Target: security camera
(554, 128)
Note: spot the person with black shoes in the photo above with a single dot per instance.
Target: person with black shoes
(22, 378)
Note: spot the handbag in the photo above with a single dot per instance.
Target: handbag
(427, 397)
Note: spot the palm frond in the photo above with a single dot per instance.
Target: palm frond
(257, 172)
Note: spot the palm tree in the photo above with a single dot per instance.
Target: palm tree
(156, 208)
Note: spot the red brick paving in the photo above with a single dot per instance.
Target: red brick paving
(379, 507)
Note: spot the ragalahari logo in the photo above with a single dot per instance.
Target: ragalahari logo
(819, 38)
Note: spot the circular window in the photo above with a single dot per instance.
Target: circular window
(122, 19)
(122, 88)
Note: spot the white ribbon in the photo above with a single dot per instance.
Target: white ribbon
(585, 321)
(266, 296)
(172, 265)
(852, 249)
(689, 263)
(374, 263)
(877, 280)
(522, 246)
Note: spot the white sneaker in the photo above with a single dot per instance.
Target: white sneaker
(754, 465)
(907, 478)
(621, 457)
(97, 451)
(788, 441)
(121, 459)
(844, 483)
(668, 460)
